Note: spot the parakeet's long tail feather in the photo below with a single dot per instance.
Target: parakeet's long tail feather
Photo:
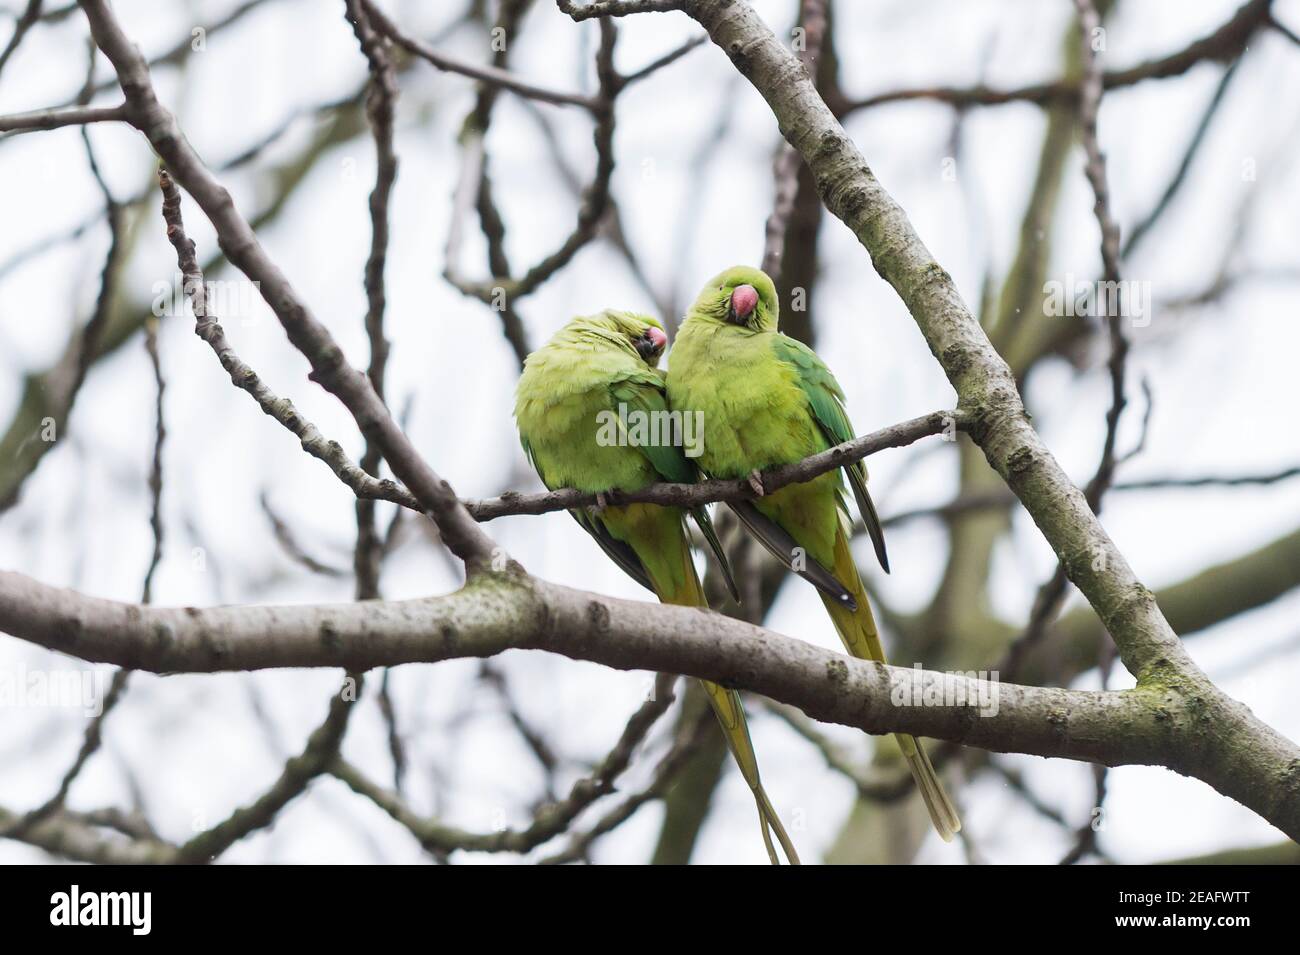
(861, 639)
(731, 715)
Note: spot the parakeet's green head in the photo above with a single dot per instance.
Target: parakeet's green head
(640, 334)
(740, 296)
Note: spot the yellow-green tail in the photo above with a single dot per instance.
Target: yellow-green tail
(862, 640)
(731, 714)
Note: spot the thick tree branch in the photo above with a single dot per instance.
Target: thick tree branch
(1152, 725)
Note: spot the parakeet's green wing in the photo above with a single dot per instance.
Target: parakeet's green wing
(620, 552)
(826, 399)
(781, 545)
(643, 392)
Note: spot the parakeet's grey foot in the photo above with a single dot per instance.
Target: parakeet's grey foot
(602, 502)
(756, 482)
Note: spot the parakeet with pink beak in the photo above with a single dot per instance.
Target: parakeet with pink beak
(577, 407)
(768, 400)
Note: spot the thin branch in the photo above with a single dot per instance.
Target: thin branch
(1211, 480)
(317, 756)
(654, 66)
(533, 739)
(665, 773)
(242, 376)
(58, 118)
(156, 468)
(87, 342)
(21, 826)
(474, 188)
(288, 542)
(1140, 230)
(396, 747)
(73, 835)
(1224, 44)
(1050, 596)
(1283, 29)
(591, 209)
(368, 553)
(709, 492)
(484, 74)
(615, 8)
(25, 22)
(551, 819)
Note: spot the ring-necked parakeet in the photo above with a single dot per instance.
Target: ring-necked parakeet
(577, 406)
(768, 400)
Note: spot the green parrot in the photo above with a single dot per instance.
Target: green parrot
(578, 405)
(768, 400)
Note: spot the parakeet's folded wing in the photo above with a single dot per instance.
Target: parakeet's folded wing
(784, 547)
(643, 392)
(826, 399)
(618, 551)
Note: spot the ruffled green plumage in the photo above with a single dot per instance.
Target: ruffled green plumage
(768, 400)
(592, 372)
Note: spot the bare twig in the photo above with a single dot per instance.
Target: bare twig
(208, 328)
(25, 22)
(615, 8)
(66, 391)
(654, 66)
(318, 754)
(156, 469)
(1140, 230)
(709, 492)
(500, 78)
(21, 826)
(57, 118)
(594, 198)
(662, 777)
(288, 542)
(382, 95)
(1223, 44)
(550, 820)
(1052, 593)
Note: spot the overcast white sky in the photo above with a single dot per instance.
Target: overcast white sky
(1222, 376)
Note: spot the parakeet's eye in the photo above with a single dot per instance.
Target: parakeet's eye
(651, 342)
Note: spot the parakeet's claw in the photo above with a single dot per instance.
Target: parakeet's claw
(756, 483)
(602, 502)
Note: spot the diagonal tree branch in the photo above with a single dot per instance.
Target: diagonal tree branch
(330, 367)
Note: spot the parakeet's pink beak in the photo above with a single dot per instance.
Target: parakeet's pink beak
(657, 337)
(743, 300)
